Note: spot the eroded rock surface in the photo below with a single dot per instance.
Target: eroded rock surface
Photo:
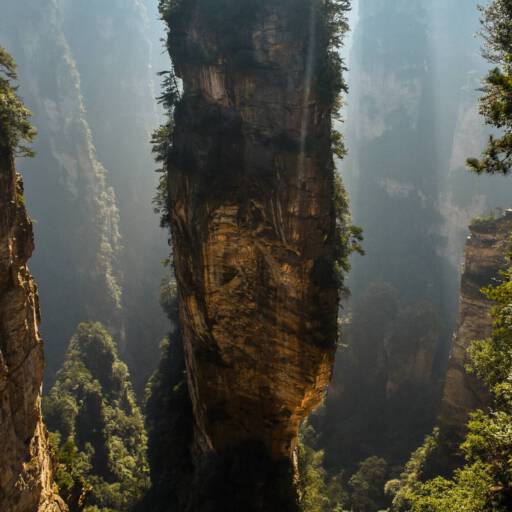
(25, 468)
(251, 185)
(487, 251)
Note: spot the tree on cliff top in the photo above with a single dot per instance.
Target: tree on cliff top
(99, 438)
(496, 102)
(15, 127)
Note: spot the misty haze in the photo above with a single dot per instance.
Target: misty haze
(255, 255)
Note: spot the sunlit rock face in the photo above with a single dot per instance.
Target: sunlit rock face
(487, 252)
(251, 185)
(25, 469)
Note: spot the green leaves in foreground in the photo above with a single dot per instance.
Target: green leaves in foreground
(15, 127)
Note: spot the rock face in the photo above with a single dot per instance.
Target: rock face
(25, 469)
(487, 251)
(251, 188)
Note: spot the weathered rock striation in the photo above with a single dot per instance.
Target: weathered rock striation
(251, 181)
(487, 253)
(25, 468)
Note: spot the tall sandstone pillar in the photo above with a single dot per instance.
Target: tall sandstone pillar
(251, 182)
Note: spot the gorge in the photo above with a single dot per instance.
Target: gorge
(253, 364)
(26, 480)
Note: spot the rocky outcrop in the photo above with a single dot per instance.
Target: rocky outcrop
(487, 253)
(251, 191)
(25, 468)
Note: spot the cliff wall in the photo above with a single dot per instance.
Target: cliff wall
(487, 253)
(25, 467)
(86, 73)
(75, 209)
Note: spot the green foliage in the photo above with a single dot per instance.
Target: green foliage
(15, 127)
(484, 483)
(99, 440)
(334, 25)
(404, 489)
(348, 236)
(160, 140)
(496, 102)
(367, 485)
(319, 492)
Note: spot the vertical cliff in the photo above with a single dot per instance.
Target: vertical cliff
(251, 183)
(25, 468)
(487, 254)
(412, 120)
(111, 43)
(88, 77)
(71, 200)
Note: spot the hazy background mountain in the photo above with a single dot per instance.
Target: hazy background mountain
(89, 72)
(411, 121)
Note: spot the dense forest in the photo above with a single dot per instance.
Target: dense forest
(270, 251)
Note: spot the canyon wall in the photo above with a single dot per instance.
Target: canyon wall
(116, 48)
(25, 469)
(487, 254)
(411, 122)
(251, 184)
(75, 209)
(398, 317)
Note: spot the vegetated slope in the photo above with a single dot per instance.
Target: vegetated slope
(97, 428)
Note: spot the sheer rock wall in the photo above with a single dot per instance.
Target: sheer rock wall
(487, 251)
(251, 186)
(25, 467)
